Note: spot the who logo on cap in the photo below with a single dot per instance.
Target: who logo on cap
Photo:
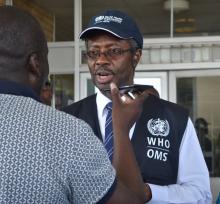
(117, 23)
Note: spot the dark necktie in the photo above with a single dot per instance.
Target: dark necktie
(108, 143)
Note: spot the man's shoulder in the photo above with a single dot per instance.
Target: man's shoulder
(85, 103)
(38, 117)
(174, 107)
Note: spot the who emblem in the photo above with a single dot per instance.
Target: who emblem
(158, 127)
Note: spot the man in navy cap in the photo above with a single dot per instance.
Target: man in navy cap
(164, 140)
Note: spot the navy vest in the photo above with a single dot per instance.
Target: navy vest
(156, 139)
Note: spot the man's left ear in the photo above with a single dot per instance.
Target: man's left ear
(136, 57)
(34, 65)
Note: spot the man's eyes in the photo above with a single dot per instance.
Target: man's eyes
(111, 53)
(94, 52)
(113, 50)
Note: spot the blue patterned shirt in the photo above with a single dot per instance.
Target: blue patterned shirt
(47, 156)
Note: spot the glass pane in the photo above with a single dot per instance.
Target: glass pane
(202, 97)
(155, 82)
(151, 16)
(56, 17)
(63, 90)
(191, 18)
(196, 18)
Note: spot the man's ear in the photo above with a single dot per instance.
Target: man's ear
(136, 57)
(34, 65)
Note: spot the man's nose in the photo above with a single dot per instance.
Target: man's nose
(102, 58)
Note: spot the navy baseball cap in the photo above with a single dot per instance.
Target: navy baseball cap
(117, 23)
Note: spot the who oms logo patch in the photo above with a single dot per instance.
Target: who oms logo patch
(158, 145)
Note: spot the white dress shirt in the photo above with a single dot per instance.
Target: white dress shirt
(193, 184)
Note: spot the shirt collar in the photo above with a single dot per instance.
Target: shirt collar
(14, 88)
(101, 101)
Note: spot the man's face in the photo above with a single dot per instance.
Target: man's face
(104, 68)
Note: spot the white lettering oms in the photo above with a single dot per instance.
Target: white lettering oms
(156, 154)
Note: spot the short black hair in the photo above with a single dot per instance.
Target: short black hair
(20, 35)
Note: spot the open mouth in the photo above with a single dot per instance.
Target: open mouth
(104, 76)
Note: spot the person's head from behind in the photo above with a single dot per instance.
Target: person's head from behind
(23, 48)
(113, 48)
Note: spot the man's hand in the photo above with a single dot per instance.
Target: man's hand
(126, 110)
(124, 113)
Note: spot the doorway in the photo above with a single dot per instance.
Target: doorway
(198, 90)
